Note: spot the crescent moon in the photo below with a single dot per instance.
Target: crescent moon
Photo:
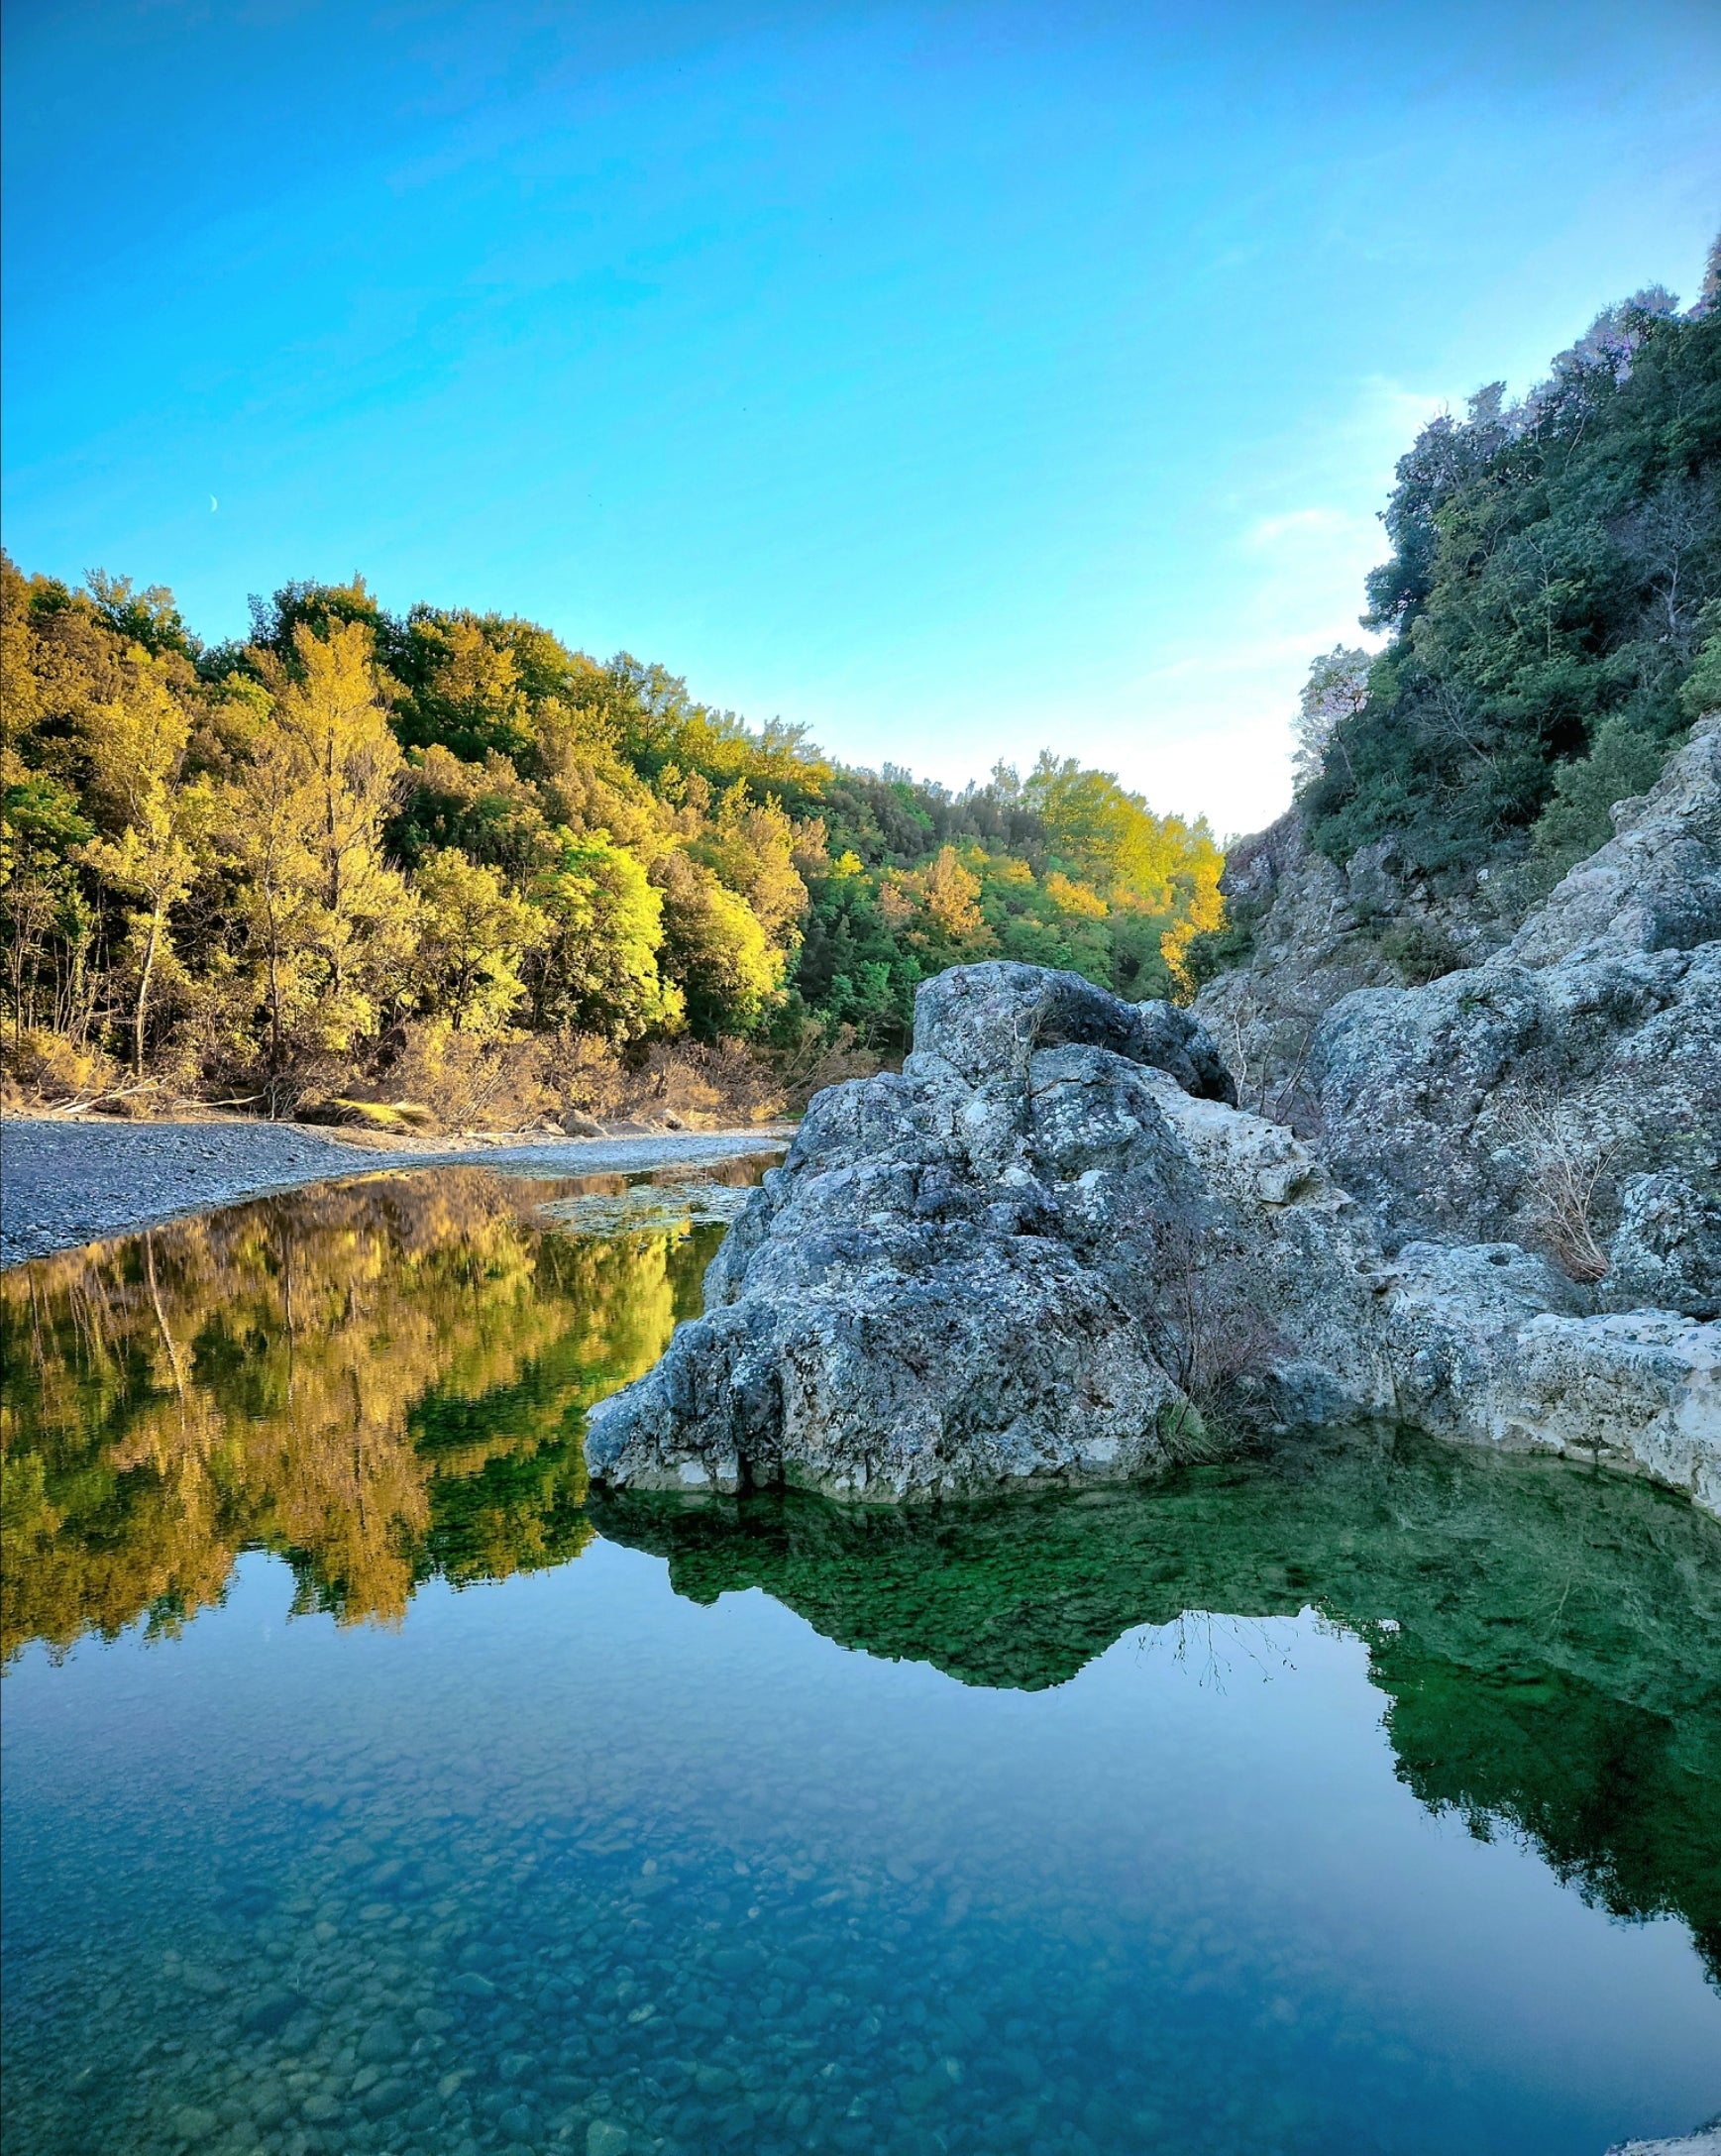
(212, 504)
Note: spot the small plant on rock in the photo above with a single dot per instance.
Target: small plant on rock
(1206, 1329)
(1569, 1174)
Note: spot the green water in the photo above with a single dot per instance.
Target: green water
(371, 1784)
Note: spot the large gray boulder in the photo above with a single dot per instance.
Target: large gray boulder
(984, 1022)
(1050, 1250)
(1031, 1256)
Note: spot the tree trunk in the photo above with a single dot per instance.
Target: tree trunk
(141, 1019)
(274, 1000)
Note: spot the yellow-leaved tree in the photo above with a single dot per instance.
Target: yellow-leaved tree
(158, 823)
(715, 949)
(473, 932)
(600, 970)
(1158, 875)
(330, 923)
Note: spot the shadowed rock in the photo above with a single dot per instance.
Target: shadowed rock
(1572, 1070)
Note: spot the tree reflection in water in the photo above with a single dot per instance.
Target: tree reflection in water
(381, 1380)
(1547, 1638)
(386, 1381)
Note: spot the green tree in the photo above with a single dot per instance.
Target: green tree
(469, 697)
(472, 934)
(715, 950)
(41, 828)
(599, 971)
(1545, 598)
(456, 810)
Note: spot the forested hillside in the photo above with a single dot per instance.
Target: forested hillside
(1552, 604)
(360, 854)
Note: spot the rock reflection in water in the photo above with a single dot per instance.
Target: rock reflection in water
(1548, 1639)
(577, 1865)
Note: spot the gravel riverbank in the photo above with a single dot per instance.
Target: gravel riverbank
(67, 1183)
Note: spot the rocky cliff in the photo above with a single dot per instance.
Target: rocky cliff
(1057, 1249)
(1565, 1093)
(1560, 1088)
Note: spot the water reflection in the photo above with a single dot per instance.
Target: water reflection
(1549, 1638)
(590, 1865)
(382, 1379)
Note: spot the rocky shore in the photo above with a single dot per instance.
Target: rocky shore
(1055, 1248)
(67, 1183)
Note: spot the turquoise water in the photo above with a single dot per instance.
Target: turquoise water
(370, 1785)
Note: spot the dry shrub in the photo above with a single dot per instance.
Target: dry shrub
(294, 1095)
(706, 1084)
(465, 1081)
(820, 1059)
(389, 1116)
(1568, 1171)
(1265, 1046)
(41, 1069)
(1204, 1325)
(437, 1076)
(518, 1081)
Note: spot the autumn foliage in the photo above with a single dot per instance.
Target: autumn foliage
(274, 869)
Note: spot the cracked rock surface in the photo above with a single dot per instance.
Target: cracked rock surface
(943, 1286)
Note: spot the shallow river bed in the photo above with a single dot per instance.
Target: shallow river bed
(370, 1785)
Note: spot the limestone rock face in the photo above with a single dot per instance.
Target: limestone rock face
(1318, 932)
(1490, 1345)
(1636, 1387)
(1443, 1108)
(1009, 1264)
(1667, 1249)
(1655, 886)
(1586, 1054)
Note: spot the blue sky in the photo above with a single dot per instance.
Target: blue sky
(957, 380)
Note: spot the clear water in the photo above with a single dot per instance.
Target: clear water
(370, 1784)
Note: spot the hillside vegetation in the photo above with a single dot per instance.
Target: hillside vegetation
(1551, 606)
(444, 854)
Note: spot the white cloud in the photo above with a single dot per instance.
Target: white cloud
(1269, 531)
(1210, 724)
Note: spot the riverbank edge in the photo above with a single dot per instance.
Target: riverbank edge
(64, 1184)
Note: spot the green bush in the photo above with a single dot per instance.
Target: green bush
(1551, 602)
